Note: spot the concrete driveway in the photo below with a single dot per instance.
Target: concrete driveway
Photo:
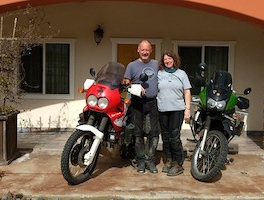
(36, 174)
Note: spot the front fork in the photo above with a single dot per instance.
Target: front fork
(98, 138)
(206, 130)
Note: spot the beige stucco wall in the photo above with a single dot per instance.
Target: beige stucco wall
(143, 20)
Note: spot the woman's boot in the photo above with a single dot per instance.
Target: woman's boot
(175, 169)
(167, 165)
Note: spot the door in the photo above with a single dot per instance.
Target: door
(127, 53)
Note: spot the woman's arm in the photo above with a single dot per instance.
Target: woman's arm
(187, 98)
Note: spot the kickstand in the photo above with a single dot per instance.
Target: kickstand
(229, 160)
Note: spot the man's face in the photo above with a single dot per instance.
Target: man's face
(144, 51)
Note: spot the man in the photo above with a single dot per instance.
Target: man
(147, 104)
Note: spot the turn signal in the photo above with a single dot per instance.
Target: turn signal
(127, 101)
(80, 90)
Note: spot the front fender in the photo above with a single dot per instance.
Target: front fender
(95, 131)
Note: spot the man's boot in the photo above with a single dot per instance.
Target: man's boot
(151, 167)
(141, 167)
(175, 169)
(150, 155)
(167, 165)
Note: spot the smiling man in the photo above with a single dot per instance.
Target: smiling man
(147, 104)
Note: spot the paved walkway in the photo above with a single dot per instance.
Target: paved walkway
(37, 174)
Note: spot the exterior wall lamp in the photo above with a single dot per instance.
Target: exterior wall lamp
(98, 34)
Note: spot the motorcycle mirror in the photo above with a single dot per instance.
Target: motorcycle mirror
(202, 69)
(247, 91)
(143, 77)
(202, 66)
(92, 72)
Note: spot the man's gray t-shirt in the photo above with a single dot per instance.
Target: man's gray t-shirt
(136, 68)
(171, 88)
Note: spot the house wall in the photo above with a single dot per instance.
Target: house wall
(144, 20)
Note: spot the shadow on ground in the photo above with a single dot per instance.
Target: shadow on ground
(257, 138)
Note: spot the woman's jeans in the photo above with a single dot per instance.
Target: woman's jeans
(170, 124)
(140, 107)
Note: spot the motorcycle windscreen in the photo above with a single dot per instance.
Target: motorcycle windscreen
(222, 80)
(220, 87)
(111, 74)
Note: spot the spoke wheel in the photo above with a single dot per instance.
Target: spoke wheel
(208, 163)
(72, 160)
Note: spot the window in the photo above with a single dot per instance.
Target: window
(32, 64)
(49, 70)
(217, 56)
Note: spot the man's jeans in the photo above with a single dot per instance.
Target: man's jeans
(140, 107)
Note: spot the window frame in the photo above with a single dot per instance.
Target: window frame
(43, 95)
(203, 44)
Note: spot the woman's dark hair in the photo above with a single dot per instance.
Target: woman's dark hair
(173, 55)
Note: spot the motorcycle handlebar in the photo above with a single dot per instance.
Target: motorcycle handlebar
(124, 87)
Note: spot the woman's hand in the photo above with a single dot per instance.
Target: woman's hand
(187, 115)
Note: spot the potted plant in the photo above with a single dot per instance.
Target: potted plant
(20, 31)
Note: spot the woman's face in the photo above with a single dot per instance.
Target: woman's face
(168, 61)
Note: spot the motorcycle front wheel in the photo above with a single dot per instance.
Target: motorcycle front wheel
(207, 164)
(72, 159)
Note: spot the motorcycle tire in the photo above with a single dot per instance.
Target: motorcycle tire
(73, 156)
(206, 166)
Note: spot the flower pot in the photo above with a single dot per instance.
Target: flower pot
(8, 138)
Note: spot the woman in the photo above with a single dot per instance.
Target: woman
(174, 102)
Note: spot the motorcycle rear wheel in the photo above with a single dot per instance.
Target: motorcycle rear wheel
(72, 167)
(207, 164)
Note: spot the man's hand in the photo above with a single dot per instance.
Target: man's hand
(126, 81)
(143, 91)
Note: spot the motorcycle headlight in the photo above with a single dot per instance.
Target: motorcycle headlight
(211, 103)
(219, 105)
(102, 103)
(92, 100)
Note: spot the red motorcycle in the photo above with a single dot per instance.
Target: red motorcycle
(105, 118)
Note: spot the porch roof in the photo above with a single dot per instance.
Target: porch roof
(243, 10)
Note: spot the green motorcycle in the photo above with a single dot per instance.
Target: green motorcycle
(214, 124)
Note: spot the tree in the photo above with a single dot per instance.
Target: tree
(28, 30)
